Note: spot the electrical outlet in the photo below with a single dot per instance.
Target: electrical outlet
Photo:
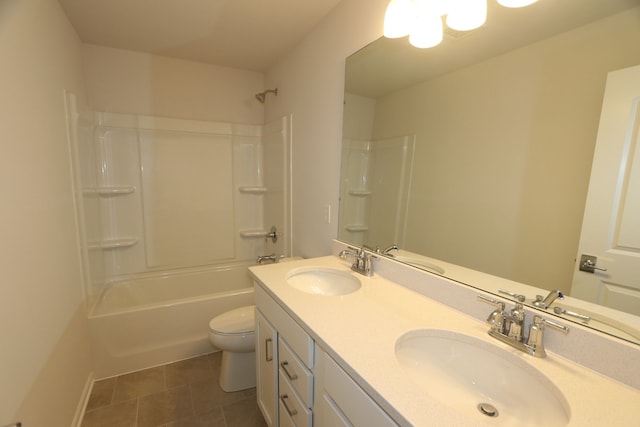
(327, 214)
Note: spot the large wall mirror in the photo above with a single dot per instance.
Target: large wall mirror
(478, 153)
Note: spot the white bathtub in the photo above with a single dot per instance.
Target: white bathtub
(136, 324)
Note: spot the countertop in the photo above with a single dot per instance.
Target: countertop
(360, 330)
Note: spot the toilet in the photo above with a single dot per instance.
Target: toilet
(233, 332)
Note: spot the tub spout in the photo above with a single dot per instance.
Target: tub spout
(267, 258)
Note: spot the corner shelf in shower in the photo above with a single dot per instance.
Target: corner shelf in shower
(252, 190)
(112, 244)
(359, 193)
(357, 228)
(119, 190)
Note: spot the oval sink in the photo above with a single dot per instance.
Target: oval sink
(323, 281)
(480, 379)
(601, 322)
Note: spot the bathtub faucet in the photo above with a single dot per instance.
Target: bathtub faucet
(267, 258)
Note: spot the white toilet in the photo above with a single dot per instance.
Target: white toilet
(233, 332)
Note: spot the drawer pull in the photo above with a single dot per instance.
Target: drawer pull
(284, 365)
(291, 412)
(266, 349)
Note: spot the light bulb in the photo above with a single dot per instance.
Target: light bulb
(398, 19)
(466, 15)
(427, 30)
(516, 3)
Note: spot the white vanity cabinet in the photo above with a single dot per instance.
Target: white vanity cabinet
(284, 362)
(298, 383)
(266, 369)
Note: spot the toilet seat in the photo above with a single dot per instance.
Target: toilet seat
(234, 322)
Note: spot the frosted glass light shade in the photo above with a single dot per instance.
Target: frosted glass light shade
(441, 7)
(427, 31)
(398, 19)
(466, 15)
(516, 3)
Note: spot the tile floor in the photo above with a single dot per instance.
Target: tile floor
(180, 394)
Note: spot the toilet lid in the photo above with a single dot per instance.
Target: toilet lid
(235, 321)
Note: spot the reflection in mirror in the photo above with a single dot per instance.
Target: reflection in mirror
(489, 140)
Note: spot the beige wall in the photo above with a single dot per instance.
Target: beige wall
(504, 150)
(311, 83)
(44, 361)
(122, 81)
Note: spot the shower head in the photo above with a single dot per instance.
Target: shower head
(262, 95)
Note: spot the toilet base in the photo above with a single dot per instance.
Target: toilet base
(237, 371)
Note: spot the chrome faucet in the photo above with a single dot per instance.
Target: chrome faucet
(271, 258)
(514, 325)
(363, 260)
(387, 250)
(508, 327)
(546, 302)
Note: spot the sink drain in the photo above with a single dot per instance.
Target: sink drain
(488, 409)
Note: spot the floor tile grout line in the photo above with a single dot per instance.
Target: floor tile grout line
(137, 411)
(193, 406)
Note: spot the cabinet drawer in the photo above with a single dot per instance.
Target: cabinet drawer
(300, 378)
(285, 419)
(294, 335)
(291, 405)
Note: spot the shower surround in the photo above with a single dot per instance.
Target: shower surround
(161, 200)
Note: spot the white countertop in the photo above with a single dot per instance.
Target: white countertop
(359, 331)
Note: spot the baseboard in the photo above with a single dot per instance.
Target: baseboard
(84, 400)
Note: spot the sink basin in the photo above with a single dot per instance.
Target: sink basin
(600, 321)
(420, 263)
(323, 281)
(480, 379)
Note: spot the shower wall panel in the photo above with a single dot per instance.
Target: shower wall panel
(374, 172)
(277, 202)
(187, 198)
(161, 194)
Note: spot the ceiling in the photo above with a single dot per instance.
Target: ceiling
(245, 34)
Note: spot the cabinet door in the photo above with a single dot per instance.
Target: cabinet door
(331, 415)
(267, 369)
(342, 401)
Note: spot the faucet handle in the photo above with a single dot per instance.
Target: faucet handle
(496, 317)
(536, 335)
(491, 301)
(554, 325)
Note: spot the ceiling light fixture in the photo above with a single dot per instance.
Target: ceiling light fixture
(516, 3)
(421, 20)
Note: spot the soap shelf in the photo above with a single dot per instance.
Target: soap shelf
(357, 228)
(252, 190)
(112, 244)
(359, 193)
(109, 191)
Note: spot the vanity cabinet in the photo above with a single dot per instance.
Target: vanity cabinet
(284, 362)
(298, 383)
(266, 369)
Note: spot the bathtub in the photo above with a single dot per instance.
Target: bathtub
(137, 324)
